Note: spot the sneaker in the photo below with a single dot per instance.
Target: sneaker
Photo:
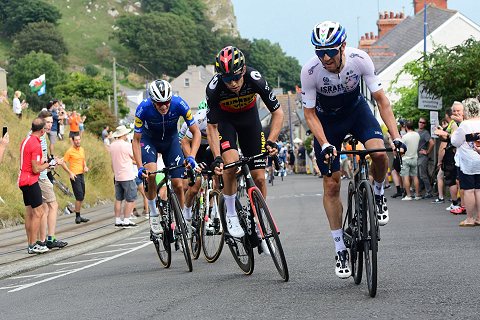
(382, 213)
(451, 207)
(458, 210)
(81, 219)
(264, 246)
(427, 196)
(407, 198)
(128, 224)
(417, 198)
(118, 225)
(38, 247)
(234, 228)
(342, 268)
(155, 225)
(132, 217)
(438, 200)
(56, 244)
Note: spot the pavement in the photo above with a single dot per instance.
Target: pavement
(81, 238)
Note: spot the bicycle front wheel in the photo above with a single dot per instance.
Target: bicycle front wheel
(181, 230)
(196, 240)
(369, 236)
(212, 234)
(351, 235)
(270, 233)
(241, 249)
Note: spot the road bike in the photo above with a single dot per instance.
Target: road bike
(207, 231)
(360, 225)
(257, 222)
(172, 222)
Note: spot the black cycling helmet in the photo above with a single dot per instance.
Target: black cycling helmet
(230, 60)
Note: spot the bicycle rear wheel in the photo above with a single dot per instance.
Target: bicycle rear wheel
(212, 235)
(196, 240)
(181, 230)
(369, 235)
(270, 233)
(241, 249)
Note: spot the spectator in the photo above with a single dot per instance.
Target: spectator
(17, 105)
(301, 158)
(62, 117)
(125, 188)
(425, 146)
(31, 164)
(467, 141)
(409, 161)
(52, 107)
(81, 125)
(402, 129)
(441, 153)
(74, 122)
(50, 205)
(75, 156)
(3, 145)
(4, 97)
(105, 133)
(290, 159)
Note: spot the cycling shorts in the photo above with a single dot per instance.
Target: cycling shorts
(204, 155)
(169, 149)
(32, 195)
(250, 138)
(361, 123)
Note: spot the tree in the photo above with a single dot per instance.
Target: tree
(39, 36)
(451, 74)
(30, 67)
(15, 14)
(99, 115)
(192, 9)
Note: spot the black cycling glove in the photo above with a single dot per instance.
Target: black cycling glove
(216, 163)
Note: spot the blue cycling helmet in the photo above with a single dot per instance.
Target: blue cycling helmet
(328, 34)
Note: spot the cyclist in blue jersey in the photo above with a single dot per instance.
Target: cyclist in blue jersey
(156, 120)
(334, 107)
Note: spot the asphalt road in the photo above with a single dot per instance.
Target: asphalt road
(427, 270)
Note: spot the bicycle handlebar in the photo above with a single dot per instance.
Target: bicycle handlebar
(165, 171)
(361, 153)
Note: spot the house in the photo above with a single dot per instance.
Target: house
(400, 39)
(191, 84)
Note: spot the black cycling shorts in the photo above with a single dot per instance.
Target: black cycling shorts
(204, 155)
(32, 195)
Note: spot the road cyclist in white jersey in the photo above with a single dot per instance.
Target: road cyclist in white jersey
(334, 107)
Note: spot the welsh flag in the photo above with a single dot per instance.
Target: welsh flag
(38, 85)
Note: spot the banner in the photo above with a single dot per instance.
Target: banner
(38, 85)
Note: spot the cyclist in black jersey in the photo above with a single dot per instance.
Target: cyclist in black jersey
(232, 113)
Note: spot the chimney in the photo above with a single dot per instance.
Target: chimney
(418, 4)
(388, 21)
(367, 40)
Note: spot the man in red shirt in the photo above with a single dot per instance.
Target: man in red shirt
(31, 164)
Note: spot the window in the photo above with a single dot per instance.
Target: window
(186, 82)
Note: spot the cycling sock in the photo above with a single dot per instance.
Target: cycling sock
(378, 190)
(187, 213)
(230, 204)
(50, 238)
(338, 240)
(153, 208)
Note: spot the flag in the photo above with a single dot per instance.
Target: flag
(38, 85)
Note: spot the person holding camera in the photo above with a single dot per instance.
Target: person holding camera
(17, 105)
(467, 140)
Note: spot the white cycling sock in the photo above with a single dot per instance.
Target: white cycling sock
(230, 204)
(187, 213)
(338, 240)
(378, 188)
(153, 207)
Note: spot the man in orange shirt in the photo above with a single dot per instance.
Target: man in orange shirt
(75, 156)
(74, 122)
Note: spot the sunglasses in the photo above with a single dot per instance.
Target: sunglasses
(331, 52)
(422, 122)
(164, 103)
(234, 77)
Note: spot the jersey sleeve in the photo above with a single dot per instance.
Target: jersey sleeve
(264, 90)
(212, 100)
(309, 91)
(184, 131)
(368, 70)
(140, 117)
(186, 112)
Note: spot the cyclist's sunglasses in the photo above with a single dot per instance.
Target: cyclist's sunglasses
(164, 103)
(331, 52)
(227, 78)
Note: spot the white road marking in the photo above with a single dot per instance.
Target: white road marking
(128, 243)
(38, 275)
(75, 262)
(103, 252)
(28, 285)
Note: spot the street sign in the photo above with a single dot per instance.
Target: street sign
(426, 100)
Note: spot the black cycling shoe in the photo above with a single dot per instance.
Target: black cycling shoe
(81, 219)
(56, 244)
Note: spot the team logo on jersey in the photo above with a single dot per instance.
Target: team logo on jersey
(355, 55)
(213, 84)
(351, 80)
(255, 75)
(326, 79)
(189, 115)
(138, 122)
(272, 96)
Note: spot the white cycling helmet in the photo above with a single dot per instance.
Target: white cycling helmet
(160, 91)
(327, 34)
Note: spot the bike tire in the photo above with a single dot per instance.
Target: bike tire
(163, 248)
(181, 232)
(196, 240)
(270, 233)
(212, 241)
(351, 222)
(241, 249)
(369, 236)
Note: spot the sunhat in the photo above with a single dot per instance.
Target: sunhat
(121, 131)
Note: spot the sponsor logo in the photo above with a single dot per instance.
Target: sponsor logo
(189, 115)
(255, 75)
(238, 103)
(326, 79)
(310, 71)
(213, 84)
(177, 159)
(225, 145)
(138, 122)
(272, 96)
(355, 55)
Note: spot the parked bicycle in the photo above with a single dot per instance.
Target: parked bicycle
(360, 225)
(172, 222)
(59, 184)
(207, 231)
(257, 222)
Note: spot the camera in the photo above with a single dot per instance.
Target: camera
(475, 136)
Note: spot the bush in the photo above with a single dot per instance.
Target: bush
(91, 70)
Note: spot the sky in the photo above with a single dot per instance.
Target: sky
(290, 23)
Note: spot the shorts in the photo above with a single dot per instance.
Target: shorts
(409, 167)
(450, 175)
(32, 195)
(138, 181)
(170, 150)
(52, 136)
(125, 190)
(469, 181)
(204, 154)
(250, 136)
(78, 186)
(48, 195)
(338, 126)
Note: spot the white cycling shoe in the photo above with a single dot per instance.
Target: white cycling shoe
(234, 228)
(342, 267)
(155, 225)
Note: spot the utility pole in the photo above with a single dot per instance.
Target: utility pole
(115, 100)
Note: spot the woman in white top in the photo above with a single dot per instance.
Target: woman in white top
(17, 105)
(467, 140)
